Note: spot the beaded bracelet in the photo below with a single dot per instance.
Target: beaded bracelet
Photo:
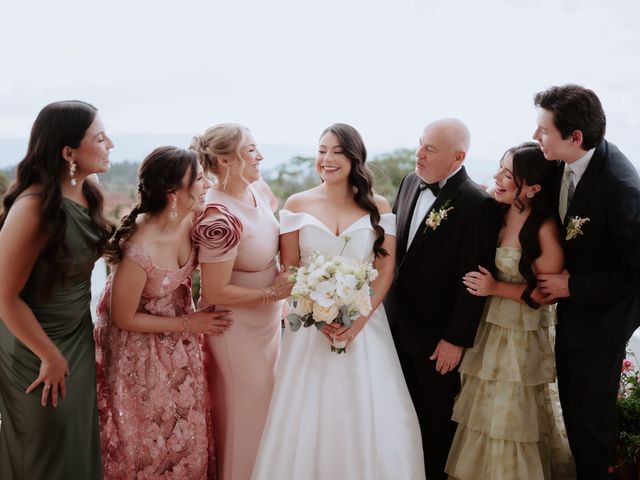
(185, 325)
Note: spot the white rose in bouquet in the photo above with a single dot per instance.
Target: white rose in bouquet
(325, 314)
(362, 301)
(304, 306)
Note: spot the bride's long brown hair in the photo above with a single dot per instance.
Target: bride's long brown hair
(360, 177)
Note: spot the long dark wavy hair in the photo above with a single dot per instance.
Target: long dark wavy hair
(58, 125)
(160, 173)
(360, 177)
(530, 167)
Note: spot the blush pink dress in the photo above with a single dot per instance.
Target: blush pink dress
(153, 397)
(242, 373)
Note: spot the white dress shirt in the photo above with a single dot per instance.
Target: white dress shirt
(580, 166)
(424, 203)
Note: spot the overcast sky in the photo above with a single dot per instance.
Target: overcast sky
(288, 68)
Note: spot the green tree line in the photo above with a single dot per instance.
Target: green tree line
(299, 174)
(294, 176)
(4, 184)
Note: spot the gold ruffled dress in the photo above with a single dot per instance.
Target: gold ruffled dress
(508, 414)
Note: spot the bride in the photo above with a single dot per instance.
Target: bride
(341, 416)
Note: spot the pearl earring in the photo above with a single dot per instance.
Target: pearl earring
(72, 173)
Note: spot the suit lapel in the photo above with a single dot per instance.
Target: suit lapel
(448, 194)
(557, 182)
(587, 185)
(407, 205)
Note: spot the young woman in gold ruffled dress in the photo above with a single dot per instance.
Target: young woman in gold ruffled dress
(509, 425)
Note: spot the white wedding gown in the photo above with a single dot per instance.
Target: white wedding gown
(340, 417)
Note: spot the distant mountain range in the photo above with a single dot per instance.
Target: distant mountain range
(136, 147)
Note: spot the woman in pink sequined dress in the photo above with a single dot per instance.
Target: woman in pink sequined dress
(153, 398)
(238, 242)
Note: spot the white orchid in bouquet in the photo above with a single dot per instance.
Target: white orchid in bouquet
(328, 290)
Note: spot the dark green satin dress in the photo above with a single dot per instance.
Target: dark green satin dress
(44, 442)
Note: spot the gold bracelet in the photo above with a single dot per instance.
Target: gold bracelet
(185, 325)
(274, 294)
(267, 295)
(263, 291)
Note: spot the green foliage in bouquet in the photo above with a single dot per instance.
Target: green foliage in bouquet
(296, 321)
(628, 410)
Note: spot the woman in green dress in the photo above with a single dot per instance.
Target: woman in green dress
(51, 232)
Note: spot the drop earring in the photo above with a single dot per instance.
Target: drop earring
(173, 214)
(226, 179)
(72, 173)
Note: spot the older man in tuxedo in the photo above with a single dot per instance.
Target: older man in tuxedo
(599, 295)
(446, 226)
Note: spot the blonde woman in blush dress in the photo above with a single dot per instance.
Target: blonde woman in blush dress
(152, 386)
(237, 238)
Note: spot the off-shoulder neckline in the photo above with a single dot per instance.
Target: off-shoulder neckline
(327, 229)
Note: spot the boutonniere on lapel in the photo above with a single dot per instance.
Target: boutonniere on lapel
(574, 227)
(436, 217)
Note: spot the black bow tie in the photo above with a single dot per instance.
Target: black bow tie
(434, 187)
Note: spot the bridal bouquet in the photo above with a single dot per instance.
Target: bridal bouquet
(330, 289)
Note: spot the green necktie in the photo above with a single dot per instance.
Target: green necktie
(566, 191)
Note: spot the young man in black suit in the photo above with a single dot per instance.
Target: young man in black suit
(446, 226)
(599, 292)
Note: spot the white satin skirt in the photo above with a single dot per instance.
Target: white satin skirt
(345, 416)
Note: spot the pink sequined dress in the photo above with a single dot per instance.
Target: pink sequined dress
(153, 397)
(243, 367)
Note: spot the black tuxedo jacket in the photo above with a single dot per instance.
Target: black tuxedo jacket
(603, 309)
(428, 301)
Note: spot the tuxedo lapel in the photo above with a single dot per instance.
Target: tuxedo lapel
(448, 194)
(587, 185)
(405, 211)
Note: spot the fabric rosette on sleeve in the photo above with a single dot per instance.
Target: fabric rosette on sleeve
(217, 233)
